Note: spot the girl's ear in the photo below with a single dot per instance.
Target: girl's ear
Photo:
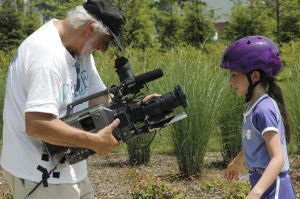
(255, 76)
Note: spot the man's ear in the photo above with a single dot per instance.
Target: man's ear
(255, 76)
(90, 26)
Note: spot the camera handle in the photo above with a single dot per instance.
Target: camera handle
(113, 89)
(79, 101)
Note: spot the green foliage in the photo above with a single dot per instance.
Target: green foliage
(31, 23)
(145, 187)
(229, 190)
(200, 75)
(7, 196)
(231, 118)
(56, 8)
(5, 58)
(249, 20)
(139, 149)
(139, 28)
(291, 88)
(292, 96)
(289, 20)
(196, 27)
(168, 26)
(15, 24)
(11, 33)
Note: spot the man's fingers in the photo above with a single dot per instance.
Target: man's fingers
(151, 97)
(114, 124)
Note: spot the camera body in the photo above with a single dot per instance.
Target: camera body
(133, 121)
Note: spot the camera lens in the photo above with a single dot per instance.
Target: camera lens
(123, 69)
(160, 106)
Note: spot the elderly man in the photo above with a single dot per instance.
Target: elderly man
(52, 68)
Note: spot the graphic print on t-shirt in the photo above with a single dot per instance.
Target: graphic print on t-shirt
(83, 84)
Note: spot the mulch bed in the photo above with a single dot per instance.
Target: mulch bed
(111, 175)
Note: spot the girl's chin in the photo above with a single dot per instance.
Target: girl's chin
(240, 94)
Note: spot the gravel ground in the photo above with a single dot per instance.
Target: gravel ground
(111, 175)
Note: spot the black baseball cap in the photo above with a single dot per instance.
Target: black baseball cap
(110, 15)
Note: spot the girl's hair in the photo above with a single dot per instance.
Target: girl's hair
(274, 91)
(79, 16)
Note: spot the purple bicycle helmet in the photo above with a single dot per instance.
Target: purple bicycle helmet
(252, 53)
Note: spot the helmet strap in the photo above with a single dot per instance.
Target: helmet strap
(250, 87)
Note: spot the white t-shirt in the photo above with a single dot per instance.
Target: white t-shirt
(42, 78)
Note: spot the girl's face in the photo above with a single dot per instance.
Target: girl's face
(239, 82)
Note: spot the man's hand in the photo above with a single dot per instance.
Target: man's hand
(148, 98)
(104, 141)
(151, 97)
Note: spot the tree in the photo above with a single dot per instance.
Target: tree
(248, 20)
(139, 28)
(11, 33)
(196, 27)
(16, 23)
(289, 20)
(56, 8)
(167, 23)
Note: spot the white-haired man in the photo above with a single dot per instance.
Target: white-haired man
(52, 68)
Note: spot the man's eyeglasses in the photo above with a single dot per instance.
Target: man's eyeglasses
(77, 67)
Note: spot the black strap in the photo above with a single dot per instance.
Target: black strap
(45, 175)
(250, 87)
(45, 157)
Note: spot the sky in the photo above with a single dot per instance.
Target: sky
(222, 8)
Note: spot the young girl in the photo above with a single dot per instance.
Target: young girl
(253, 62)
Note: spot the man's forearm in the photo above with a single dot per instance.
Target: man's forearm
(54, 131)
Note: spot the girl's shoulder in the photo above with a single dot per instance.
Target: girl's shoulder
(266, 107)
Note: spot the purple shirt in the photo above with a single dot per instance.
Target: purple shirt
(262, 117)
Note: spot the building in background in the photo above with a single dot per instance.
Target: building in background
(222, 10)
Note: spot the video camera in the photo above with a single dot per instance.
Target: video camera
(133, 121)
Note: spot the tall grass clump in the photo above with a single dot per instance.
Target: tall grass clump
(203, 83)
(292, 97)
(291, 91)
(231, 117)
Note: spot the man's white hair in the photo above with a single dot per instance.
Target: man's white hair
(79, 16)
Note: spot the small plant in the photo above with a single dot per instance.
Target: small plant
(6, 195)
(228, 189)
(146, 187)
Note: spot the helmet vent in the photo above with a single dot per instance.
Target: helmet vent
(259, 38)
(249, 42)
(236, 43)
